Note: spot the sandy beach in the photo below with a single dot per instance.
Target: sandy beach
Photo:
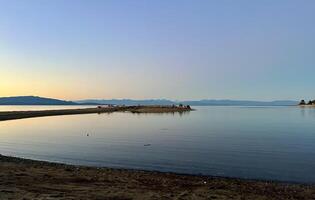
(27, 179)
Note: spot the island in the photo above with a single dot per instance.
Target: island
(10, 115)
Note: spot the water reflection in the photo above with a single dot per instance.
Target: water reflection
(308, 111)
(179, 113)
(249, 142)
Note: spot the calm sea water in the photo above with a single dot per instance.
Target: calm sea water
(249, 142)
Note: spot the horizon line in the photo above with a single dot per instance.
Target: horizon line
(136, 99)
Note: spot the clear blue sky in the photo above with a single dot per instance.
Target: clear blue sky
(174, 49)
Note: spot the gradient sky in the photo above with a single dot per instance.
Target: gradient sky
(176, 49)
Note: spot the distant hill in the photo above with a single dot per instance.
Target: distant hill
(33, 100)
(192, 103)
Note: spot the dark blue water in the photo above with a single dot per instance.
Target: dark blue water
(275, 143)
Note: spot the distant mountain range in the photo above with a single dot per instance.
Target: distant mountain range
(240, 103)
(34, 100)
(192, 103)
(129, 101)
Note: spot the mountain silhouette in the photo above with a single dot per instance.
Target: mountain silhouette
(33, 100)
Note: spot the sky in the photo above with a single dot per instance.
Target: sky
(144, 49)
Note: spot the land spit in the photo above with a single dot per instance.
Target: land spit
(100, 109)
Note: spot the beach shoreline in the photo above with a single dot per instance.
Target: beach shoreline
(29, 179)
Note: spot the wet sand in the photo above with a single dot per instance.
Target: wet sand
(134, 109)
(27, 179)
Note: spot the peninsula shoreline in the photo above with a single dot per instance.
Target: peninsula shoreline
(12, 115)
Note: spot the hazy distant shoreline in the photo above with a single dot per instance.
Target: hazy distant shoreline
(34, 100)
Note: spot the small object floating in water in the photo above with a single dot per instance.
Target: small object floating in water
(146, 145)
(88, 135)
